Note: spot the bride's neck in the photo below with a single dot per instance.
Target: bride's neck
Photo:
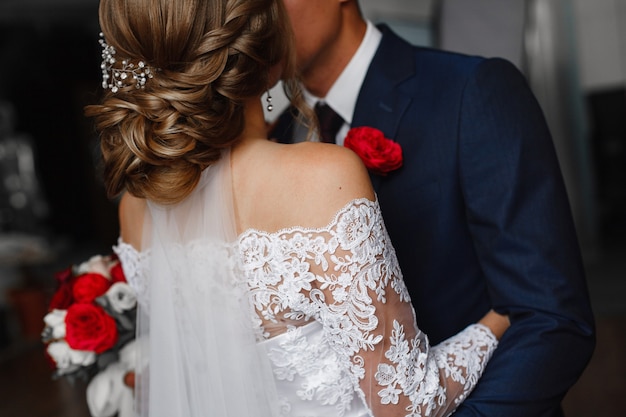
(255, 127)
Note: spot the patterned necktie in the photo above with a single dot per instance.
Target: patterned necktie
(330, 122)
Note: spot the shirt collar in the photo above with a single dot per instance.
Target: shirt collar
(343, 94)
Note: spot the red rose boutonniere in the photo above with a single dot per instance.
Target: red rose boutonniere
(379, 154)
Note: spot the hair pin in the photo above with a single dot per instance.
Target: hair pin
(128, 74)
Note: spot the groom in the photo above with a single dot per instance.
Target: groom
(478, 212)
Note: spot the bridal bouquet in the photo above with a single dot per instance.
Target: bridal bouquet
(89, 332)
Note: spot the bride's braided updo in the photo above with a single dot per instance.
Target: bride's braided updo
(206, 57)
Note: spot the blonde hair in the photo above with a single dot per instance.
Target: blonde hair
(208, 56)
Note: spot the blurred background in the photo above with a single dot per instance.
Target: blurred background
(53, 210)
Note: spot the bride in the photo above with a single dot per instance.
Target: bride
(268, 285)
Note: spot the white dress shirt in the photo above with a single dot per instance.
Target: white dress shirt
(344, 92)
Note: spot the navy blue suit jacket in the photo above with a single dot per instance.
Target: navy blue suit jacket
(479, 218)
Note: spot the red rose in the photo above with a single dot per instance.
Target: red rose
(64, 276)
(117, 273)
(379, 154)
(89, 327)
(90, 286)
(64, 295)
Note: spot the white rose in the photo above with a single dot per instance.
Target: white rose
(56, 321)
(128, 354)
(121, 296)
(82, 357)
(127, 403)
(134, 354)
(67, 359)
(60, 353)
(106, 391)
(97, 264)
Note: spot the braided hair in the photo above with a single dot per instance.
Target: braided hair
(207, 57)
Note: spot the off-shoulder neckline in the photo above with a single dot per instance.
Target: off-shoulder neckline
(286, 230)
(325, 228)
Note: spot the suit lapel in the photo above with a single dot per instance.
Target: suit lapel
(381, 102)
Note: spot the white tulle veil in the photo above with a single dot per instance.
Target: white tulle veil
(199, 355)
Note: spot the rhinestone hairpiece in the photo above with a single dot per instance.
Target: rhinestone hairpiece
(128, 74)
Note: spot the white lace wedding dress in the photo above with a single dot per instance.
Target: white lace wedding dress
(334, 333)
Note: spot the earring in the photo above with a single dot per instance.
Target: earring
(270, 107)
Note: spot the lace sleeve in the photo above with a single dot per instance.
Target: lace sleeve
(133, 265)
(368, 318)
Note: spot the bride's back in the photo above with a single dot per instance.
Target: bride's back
(277, 186)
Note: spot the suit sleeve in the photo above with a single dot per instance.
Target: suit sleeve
(520, 220)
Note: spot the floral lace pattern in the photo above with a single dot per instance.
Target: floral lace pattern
(134, 265)
(366, 351)
(309, 370)
(346, 277)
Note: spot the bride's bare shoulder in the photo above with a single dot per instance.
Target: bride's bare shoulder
(277, 186)
(328, 172)
(131, 213)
